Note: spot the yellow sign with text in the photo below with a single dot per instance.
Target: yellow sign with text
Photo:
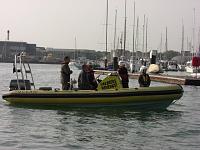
(110, 82)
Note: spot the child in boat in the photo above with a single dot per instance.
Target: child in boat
(144, 79)
(123, 73)
(65, 74)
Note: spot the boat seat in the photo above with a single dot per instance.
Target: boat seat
(45, 88)
(23, 84)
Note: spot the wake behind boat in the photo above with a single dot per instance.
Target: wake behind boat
(109, 93)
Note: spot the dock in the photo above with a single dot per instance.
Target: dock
(171, 79)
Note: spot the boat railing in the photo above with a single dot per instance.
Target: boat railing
(22, 69)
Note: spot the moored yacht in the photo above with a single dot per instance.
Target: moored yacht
(190, 69)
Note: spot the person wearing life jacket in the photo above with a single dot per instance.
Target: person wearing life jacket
(65, 74)
(123, 73)
(144, 79)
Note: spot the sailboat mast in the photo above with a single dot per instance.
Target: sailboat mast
(125, 31)
(146, 39)
(137, 37)
(194, 35)
(166, 42)
(114, 48)
(121, 38)
(75, 50)
(118, 41)
(182, 44)
(199, 42)
(143, 38)
(161, 47)
(133, 34)
(106, 57)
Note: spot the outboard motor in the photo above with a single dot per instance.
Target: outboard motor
(20, 85)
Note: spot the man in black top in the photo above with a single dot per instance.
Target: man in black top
(123, 73)
(92, 79)
(144, 79)
(83, 79)
(65, 74)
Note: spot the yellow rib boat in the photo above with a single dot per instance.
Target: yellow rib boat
(108, 93)
(160, 96)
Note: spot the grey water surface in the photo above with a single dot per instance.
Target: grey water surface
(44, 128)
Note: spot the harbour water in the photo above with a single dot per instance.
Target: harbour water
(44, 128)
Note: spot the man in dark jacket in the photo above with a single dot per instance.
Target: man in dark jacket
(65, 74)
(144, 79)
(123, 73)
(92, 79)
(84, 79)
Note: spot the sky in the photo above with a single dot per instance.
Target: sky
(56, 23)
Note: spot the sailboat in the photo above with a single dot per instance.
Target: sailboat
(135, 64)
(122, 58)
(189, 67)
(76, 61)
(181, 66)
(197, 73)
(132, 60)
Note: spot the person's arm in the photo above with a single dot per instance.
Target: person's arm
(140, 79)
(66, 70)
(149, 80)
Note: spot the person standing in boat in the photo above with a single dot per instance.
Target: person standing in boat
(65, 74)
(123, 73)
(92, 79)
(83, 79)
(144, 79)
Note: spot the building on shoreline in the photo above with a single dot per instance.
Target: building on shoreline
(9, 48)
(44, 55)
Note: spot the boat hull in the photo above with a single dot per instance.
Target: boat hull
(161, 96)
